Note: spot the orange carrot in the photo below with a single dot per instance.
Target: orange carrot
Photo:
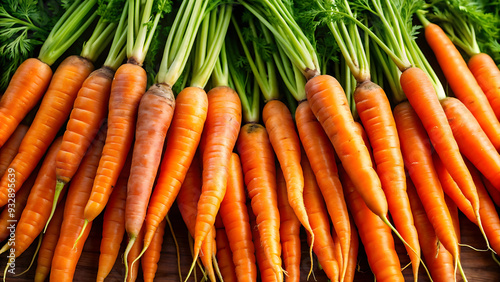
(487, 76)
(224, 254)
(266, 267)
(494, 193)
(352, 261)
(234, 214)
(9, 150)
(134, 253)
(152, 255)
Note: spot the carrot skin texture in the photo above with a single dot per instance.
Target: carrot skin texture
(154, 117)
(416, 149)
(67, 253)
(234, 214)
(320, 152)
(266, 268)
(289, 230)
(87, 116)
(134, 252)
(487, 76)
(492, 191)
(224, 254)
(329, 104)
(129, 84)
(113, 227)
(462, 81)
(53, 112)
(48, 247)
(352, 261)
(9, 150)
(151, 257)
(25, 89)
(472, 141)
(221, 132)
(257, 161)
(184, 135)
(374, 233)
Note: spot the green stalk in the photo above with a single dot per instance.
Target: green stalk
(117, 51)
(67, 30)
(99, 40)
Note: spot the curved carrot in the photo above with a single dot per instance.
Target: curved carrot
(487, 76)
(462, 82)
(9, 150)
(266, 267)
(129, 84)
(352, 261)
(184, 135)
(49, 243)
(221, 132)
(289, 230)
(329, 104)
(25, 89)
(53, 112)
(319, 151)
(492, 191)
(70, 244)
(151, 257)
(472, 141)
(286, 144)
(257, 161)
(113, 226)
(224, 254)
(234, 214)
(316, 211)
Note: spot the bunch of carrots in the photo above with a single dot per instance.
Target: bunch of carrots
(259, 117)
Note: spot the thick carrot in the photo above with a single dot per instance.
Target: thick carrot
(49, 243)
(25, 89)
(183, 138)
(416, 149)
(37, 210)
(221, 132)
(113, 224)
(492, 191)
(329, 104)
(375, 235)
(266, 267)
(319, 151)
(234, 214)
(286, 144)
(224, 254)
(129, 84)
(151, 257)
(153, 120)
(438, 259)
(316, 211)
(257, 161)
(134, 253)
(487, 76)
(352, 261)
(53, 112)
(289, 230)
(70, 243)
(9, 150)
(462, 82)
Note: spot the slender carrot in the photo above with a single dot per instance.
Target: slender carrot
(352, 261)
(113, 226)
(452, 207)
(234, 214)
(48, 247)
(134, 253)
(266, 267)
(289, 230)
(257, 161)
(492, 191)
(316, 211)
(487, 76)
(74, 232)
(9, 150)
(151, 257)
(224, 253)
(319, 151)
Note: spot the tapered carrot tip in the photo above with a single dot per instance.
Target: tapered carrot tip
(59, 187)
(125, 255)
(81, 233)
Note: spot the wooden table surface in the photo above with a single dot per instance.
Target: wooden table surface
(478, 266)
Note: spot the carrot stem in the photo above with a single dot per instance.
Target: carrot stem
(57, 193)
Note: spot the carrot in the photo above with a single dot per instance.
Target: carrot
(257, 161)
(328, 103)
(220, 135)
(494, 193)
(316, 211)
(152, 255)
(49, 243)
(352, 261)
(416, 150)
(462, 81)
(289, 230)
(286, 145)
(438, 259)
(37, 210)
(266, 267)
(234, 214)
(224, 254)
(113, 226)
(375, 235)
(319, 151)
(69, 249)
(51, 115)
(9, 151)
(487, 75)
(134, 253)
(452, 207)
